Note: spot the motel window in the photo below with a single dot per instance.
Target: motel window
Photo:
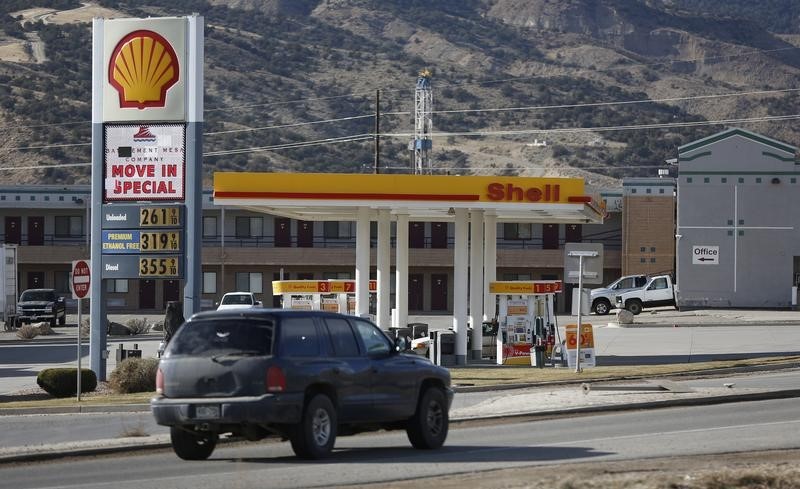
(336, 276)
(688, 179)
(209, 226)
(209, 282)
(706, 180)
(69, 226)
(249, 282)
(119, 286)
(62, 282)
(249, 227)
(515, 230)
(793, 180)
(337, 229)
(741, 180)
(758, 180)
(724, 180)
(517, 276)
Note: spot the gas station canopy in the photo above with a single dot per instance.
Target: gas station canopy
(337, 197)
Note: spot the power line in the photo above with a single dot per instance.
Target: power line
(299, 144)
(609, 128)
(298, 124)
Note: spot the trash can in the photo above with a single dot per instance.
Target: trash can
(537, 356)
(442, 349)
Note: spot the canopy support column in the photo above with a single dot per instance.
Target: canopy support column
(401, 271)
(384, 269)
(476, 286)
(362, 262)
(460, 265)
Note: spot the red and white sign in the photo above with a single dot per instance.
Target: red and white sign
(144, 162)
(81, 279)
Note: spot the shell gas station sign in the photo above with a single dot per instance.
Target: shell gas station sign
(145, 70)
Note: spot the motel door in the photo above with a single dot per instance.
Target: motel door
(550, 236)
(283, 232)
(36, 230)
(438, 292)
(416, 234)
(305, 234)
(573, 233)
(438, 235)
(35, 280)
(415, 292)
(13, 230)
(147, 294)
(171, 291)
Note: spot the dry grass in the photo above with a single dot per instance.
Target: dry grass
(507, 374)
(37, 398)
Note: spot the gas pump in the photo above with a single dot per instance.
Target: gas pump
(319, 295)
(526, 321)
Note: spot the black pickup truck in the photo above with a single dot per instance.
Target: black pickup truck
(41, 305)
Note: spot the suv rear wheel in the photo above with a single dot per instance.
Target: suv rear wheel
(190, 445)
(427, 429)
(314, 436)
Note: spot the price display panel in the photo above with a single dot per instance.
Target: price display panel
(159, 267)
(150, 242)
(160, 216)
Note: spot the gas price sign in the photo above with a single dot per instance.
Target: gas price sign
(159, 241)
(159, 267)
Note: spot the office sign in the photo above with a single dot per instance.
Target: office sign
(144, 162)
(705, 255)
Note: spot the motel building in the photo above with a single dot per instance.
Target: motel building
(729, 213)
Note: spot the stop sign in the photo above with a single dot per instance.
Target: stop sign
(80, 279)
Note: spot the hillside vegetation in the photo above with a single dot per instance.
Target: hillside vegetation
(508, 75)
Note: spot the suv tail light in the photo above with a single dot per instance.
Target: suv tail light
(276, 380)
(159, 382)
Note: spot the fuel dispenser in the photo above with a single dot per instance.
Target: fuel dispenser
(525, 321)
(319, 295)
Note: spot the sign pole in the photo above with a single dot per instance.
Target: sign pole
(80, 317)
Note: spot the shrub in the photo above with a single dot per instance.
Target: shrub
(134, 375)
(63, 382)
(138, 325)
(27, 332)
(45, 329)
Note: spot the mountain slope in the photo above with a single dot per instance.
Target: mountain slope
(507, 76)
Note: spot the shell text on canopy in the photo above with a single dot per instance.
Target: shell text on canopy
(143, 66)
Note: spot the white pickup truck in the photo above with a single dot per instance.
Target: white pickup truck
(659, 291)
(602, 299)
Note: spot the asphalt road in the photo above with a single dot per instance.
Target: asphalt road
(387, 457)
(33, 429)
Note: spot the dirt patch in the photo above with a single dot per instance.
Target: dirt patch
(14, 52)
(772, 469)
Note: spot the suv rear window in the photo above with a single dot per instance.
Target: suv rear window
(212, 337)
(299, 337)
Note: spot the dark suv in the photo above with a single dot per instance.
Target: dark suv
(41, 305)
(305, 376)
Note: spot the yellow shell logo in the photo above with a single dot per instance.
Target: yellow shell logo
(142, 68)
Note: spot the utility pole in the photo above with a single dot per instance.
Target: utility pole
(377, 167)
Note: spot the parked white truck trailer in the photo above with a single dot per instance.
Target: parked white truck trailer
(8, 278)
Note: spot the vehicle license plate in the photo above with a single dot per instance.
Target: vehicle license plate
(206, 411)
